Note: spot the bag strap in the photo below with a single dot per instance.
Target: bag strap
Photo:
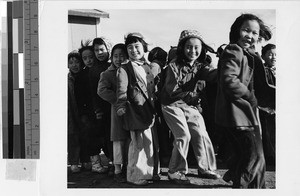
(130, 74)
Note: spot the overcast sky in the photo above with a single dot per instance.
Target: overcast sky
(163, 27)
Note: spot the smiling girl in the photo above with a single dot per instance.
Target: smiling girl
(107, 87)
(135, 88)
(236, 103)
(179, 99)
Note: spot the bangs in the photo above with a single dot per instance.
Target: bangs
(132, 39)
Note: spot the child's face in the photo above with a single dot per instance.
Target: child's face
(249, 34)
(135, 51)
(118, 57)
(74, 65)
(101, 52)
(192, 49)
(88, 58)
(270, 57)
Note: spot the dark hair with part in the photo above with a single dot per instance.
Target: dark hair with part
(133, 39)
(266, 48)
(74, 54)
(119, 46)
(234, 34)
(158, 54)
(98, 41)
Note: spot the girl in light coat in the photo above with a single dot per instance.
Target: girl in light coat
(135, 87)
(107, 88)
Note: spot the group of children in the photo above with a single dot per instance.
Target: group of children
(126, 106)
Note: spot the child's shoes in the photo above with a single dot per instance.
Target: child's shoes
(75, 169)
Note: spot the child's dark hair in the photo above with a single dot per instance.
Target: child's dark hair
(98, 41)
(74, 54)
(234, 34)
(172, 53)
(203, 56)
(158, 54)
(119, 46)
(85, 46)
(266, 48)
(134, 39)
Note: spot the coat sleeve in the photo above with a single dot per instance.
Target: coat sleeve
(208, 73)
(122, 86)
(230, 65)
(172, 85)
(105, 90)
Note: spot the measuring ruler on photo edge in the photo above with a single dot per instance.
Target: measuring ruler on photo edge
(31, 79)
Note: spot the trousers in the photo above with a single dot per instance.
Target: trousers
(187, 125)
(247, 165)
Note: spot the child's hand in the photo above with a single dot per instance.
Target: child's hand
(121, 111)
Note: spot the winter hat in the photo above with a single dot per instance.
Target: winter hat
(134, 34)
(189, 34)
(186, 34)
(106, 42)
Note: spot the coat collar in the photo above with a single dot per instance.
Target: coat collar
(112, 67)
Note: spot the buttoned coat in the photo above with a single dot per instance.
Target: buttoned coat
(132, 89)
(235, 85)
(107, 88)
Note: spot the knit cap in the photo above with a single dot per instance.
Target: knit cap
(189, 34)
(134, 34)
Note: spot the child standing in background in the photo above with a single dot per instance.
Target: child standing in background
(267, 110)
(179, 106)
(135, 88)
(102, 47)
(236, 104)
(107, 90)
(74, 125)
(90, 137)
(158, 59)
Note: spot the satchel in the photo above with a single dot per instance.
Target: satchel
(136, 117)
(135, 121)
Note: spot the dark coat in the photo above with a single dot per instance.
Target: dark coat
(73, 113)
(128, 90)
(83, 94)
(264, 90)
(235, 88)
(99, 105)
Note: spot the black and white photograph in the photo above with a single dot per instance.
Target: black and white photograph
(160, 126)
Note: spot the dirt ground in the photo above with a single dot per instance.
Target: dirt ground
(87, 179)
